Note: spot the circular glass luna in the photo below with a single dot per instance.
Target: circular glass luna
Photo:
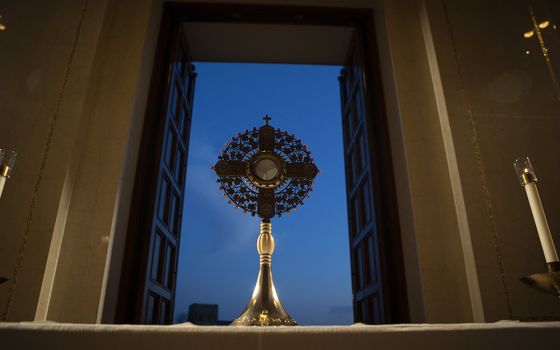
(266, 169)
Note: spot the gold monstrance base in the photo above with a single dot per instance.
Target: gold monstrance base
(264, 308)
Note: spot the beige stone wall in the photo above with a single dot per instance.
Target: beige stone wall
(46, 65)
(73, 94)
(434, 252)
(73, 86)
(501, 104)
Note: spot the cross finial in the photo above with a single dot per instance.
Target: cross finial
(267, 118)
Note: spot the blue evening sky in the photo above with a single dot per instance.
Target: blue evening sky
(218, 262)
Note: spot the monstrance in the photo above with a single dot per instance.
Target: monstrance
(265, 172)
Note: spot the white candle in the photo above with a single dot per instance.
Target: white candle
(2, 183)
(541, 223)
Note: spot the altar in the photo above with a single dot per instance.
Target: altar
(501, 335)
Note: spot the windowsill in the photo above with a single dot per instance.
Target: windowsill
(504, 334)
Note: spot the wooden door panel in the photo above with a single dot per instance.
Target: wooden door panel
(367, 289)
(158, 251)
(372, 276)
(163, 201)
(171, 150)
(175, 219)
(157, 292)
(164, 312)
(151, 308)
(180, 167)
(169, 267)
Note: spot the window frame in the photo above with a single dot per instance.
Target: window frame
(174, 14)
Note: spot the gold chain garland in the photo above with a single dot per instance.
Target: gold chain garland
(545, 53)
(480, 167)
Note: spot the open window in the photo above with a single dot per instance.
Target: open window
(147, 287)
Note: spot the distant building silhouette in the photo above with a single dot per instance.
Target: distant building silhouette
(205, 315)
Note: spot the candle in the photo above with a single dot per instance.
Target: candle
(528, 180)
(7, 159)
(2, 183)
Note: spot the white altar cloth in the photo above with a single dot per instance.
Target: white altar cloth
(502, 335)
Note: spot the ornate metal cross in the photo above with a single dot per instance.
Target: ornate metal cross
(266, 171)
(267, 119)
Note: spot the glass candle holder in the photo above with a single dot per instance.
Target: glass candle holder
(7, 160)
(524, 170)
